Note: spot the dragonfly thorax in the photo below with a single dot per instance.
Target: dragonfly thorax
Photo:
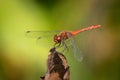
(61, 37)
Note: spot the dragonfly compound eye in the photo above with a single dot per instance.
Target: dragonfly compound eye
(57, 39)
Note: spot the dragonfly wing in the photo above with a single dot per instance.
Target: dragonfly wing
(43, 38)
(41, 34)
(75, 48)
(80, 42)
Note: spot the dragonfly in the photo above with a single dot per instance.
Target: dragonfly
(60, 38)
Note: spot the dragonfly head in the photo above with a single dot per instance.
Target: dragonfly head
(57, 39)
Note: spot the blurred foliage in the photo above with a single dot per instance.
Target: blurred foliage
(22, 59)
(49, 4)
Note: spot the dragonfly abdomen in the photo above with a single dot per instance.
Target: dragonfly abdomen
(85, 29)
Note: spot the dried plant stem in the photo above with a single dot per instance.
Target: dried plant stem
(57, 67)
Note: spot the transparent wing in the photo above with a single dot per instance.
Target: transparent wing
(79, 43)
(43, 38)
(41, 34)
(75, 48)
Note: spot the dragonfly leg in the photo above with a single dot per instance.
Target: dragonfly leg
(56, 45)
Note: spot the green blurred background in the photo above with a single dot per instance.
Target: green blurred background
(22, 59)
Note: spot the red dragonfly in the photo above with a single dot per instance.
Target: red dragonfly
(59, 39)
